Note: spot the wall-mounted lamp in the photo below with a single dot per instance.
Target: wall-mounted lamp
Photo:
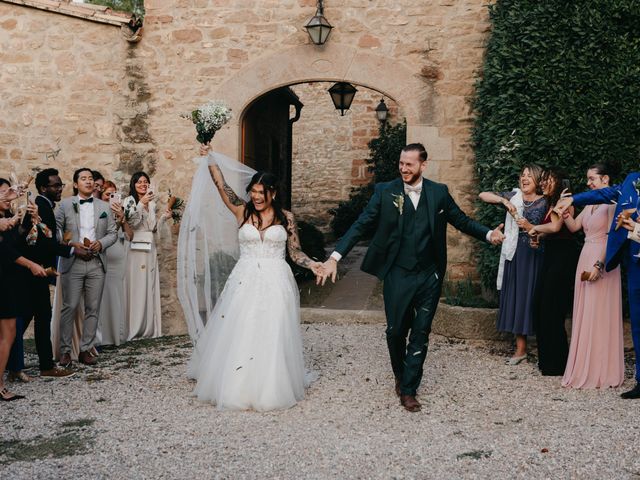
(382, 111)
(318, 27)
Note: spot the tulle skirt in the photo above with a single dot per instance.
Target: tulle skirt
(249, 355)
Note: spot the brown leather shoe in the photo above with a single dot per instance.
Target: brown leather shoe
(87, 358)
(410, 403)
(57, 372)
(65, 360)
(397, 387)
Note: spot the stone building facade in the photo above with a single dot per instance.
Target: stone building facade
(72, 78)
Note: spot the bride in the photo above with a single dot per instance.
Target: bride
(249, 354)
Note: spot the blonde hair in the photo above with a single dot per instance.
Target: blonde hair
(536, 172)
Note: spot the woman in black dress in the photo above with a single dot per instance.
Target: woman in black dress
(555, 287)
(10, 261)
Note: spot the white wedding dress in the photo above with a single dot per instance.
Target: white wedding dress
(249, 355)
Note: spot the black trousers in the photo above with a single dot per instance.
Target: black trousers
(35, 303)
(410, 302)
(554, 296)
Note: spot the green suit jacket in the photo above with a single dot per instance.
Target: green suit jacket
(383, 215)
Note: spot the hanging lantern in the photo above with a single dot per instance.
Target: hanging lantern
(342, 94)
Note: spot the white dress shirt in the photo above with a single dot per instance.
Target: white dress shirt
(86, 227)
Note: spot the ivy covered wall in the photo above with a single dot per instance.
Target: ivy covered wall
(560, 87)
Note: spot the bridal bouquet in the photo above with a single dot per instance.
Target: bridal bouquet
(208, 119)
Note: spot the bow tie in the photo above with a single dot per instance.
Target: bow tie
(88, 200)
(409, 189)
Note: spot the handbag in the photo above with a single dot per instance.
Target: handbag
(142, 241)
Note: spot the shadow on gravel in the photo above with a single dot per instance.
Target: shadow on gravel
(74, 438)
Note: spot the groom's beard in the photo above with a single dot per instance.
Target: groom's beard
(414, 180)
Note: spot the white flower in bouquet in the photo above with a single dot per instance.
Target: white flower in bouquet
(208, 119)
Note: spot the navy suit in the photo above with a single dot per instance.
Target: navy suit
(408, 252)
(619, 248)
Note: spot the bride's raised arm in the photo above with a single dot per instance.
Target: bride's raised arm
(229, 197)
(295, 249)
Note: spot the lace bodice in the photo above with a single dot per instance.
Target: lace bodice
(271, 246)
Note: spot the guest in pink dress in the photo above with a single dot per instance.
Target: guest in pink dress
(596, 355)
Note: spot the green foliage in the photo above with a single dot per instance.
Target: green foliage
(560, 87)
(383, 163)
(133, 6)
(311, 243)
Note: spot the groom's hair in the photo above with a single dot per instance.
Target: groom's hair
(417, 147)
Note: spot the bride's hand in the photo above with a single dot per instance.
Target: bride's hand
(316, 268)
(205, 149)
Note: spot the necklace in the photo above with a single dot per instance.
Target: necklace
(528, 204)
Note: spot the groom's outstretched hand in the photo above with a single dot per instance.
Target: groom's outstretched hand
(497, 237)
(329, 269)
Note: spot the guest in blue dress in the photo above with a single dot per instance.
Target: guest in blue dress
(521, 257)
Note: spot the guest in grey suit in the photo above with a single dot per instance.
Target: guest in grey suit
(87, 224)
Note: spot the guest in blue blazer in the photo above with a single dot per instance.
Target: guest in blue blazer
(620, 249)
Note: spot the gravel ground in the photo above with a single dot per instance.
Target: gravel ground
(133, 417)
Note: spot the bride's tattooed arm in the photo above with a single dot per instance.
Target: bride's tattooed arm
(229, 197)
(293, 244)
(223, 187)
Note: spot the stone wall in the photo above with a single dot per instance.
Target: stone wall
(61, 80)
(80, 86)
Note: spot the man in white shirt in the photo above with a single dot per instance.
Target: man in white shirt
(87, 224)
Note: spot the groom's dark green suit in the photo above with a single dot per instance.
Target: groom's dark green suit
(408, 252)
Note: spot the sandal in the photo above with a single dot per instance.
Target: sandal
(516, 360)
(7, 396)
(19, 376)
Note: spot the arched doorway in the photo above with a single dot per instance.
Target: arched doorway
(267, 132)
(317, 154)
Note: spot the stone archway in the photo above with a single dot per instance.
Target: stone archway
(305, 63)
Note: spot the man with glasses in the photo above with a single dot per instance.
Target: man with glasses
(36, 301)
(98, 184)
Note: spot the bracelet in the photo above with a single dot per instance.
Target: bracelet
(599, 265)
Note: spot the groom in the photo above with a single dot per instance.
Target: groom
(408, 253)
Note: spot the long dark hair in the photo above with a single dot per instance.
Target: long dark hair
(132, 184)
(270, 184)
(557, 176)
(4, 181)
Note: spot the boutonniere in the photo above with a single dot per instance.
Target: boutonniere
(103, 215)
(75, 207)
(398, 201)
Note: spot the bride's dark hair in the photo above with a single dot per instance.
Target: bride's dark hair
(270, 184)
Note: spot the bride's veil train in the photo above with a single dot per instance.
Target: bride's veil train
(208, 241)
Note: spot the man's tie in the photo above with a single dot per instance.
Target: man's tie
(409, 189)
(413, 193)
(88, 200)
